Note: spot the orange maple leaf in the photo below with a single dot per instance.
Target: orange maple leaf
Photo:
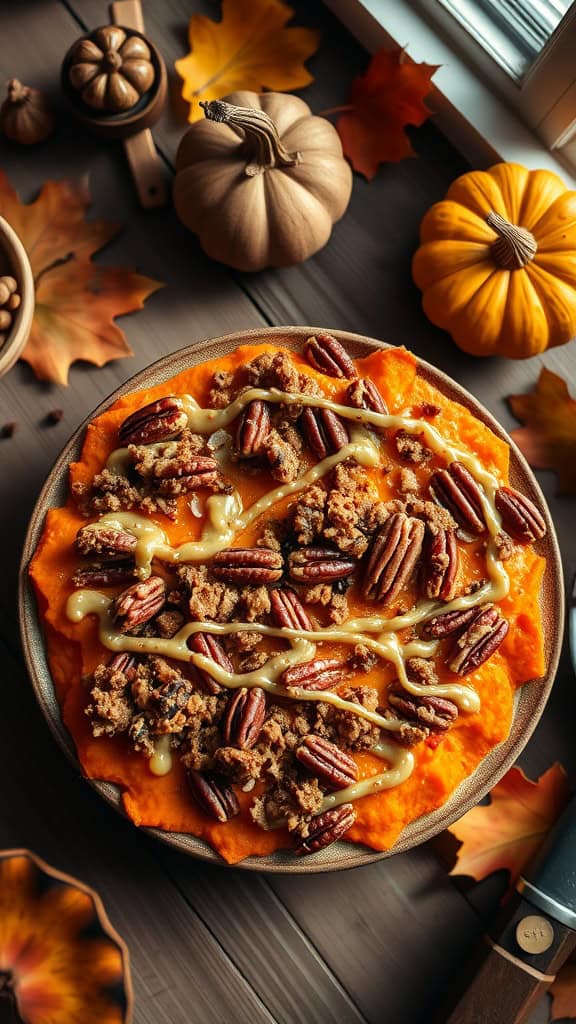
(382, 102)
(563, 992)
(76, 300)
(548, 438)
(248, 49)
(507, 832)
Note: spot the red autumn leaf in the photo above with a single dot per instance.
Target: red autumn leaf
(382, 102)
(507, 832)
(548, 437)
(563, 992)
(76, 300)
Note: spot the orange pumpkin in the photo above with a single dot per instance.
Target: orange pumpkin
(61, 962)
(497, 262)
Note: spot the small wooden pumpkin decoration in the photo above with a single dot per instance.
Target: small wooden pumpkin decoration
(261, 181)
(497, 262)
(61, 961)
(26, 115)
(111, 69)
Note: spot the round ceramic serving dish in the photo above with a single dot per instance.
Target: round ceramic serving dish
(14, 262)
(531, 699)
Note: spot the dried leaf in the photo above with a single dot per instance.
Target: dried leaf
(507, 832)
(248, 49)
(76, 300)
(382, 102)
(548, 438)
(563, 992)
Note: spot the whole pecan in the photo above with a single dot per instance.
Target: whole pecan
(161, 420)
(139, 603)
(253, 428)
(435, 714)
(319, 565)
(209, 645)
(333, 766)
(393, 557)
(457, 490)
(109, 575)
(288, 611)
(320, 674)
(244, 717)
(482, 636)
(328, 355)
(326, 828)
(213, 796)
(520, 517)
(440, 566)
(108, 542)
(324, 431)
(448, 623)
(178, 476)
(248, 565)
(363, 394)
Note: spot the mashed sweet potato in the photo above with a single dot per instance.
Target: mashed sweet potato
(164, 802)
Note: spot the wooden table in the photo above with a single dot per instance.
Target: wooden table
(212, 944)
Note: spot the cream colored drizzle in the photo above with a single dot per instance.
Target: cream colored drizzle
(161, 761)
(225, 518)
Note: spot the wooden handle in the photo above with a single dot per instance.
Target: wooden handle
(146, 168)
(128, 13)
(512, 969)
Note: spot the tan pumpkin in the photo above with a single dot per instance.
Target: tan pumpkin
(261, 181)
(26, 115)
(497, 262)
(111, 69)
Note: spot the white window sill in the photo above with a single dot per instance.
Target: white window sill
(478, 123)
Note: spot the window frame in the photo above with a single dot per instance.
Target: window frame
(479, 106)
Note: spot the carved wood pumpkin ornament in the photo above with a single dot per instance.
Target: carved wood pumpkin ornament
(111, 69)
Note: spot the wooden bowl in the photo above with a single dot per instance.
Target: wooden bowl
(14, 261)
(531, 698)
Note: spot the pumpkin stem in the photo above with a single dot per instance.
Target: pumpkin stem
(515, 247)
(17, 93)
(263, 143)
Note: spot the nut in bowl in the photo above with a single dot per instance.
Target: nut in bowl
(304, 645)
(16, 297)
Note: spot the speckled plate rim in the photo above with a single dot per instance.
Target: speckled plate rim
(529, 704)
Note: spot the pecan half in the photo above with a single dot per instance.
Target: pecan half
(326, 828)
(107, 542)
(319, 565)
(436, 714)
(244, 717)
(457, 490)
(440, 565)
(363, 394)
(482, 636)
(209, 645)
(178, 476)
(288, 611)
(159, 421)
(393, 557)
(320, 674)
(328, 355)
(213, 796)
(123, 662)
(520, 517)
(248, 565)
(324, 431)
(333, 766)
(139, 603)
(448, 623)
(108, 575)
(253, 428)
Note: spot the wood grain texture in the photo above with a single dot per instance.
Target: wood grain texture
(211, 944)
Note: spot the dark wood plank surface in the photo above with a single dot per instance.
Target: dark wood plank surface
(216, 944)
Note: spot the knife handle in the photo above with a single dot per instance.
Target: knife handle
(515, 965)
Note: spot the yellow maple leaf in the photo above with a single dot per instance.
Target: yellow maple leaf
(76, 300)
(250, 48)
